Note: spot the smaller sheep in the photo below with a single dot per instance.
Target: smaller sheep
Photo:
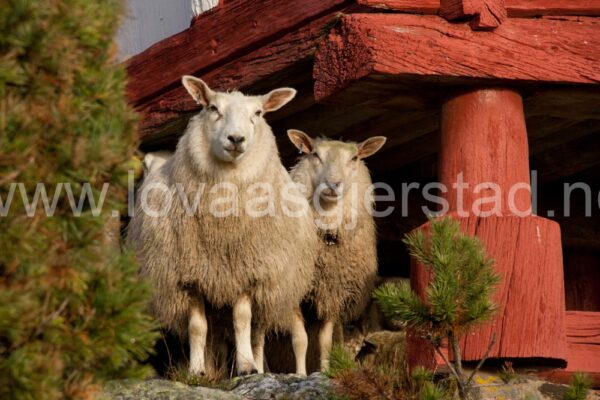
(338, 185)
(155, 160)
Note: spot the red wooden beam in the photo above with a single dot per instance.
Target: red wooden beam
(160, 114)
(486, 14)
(230, 30)
(410, 48)
(534, 8)
(583, 341)
(514, 8)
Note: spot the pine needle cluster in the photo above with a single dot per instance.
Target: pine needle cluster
(579, 387)
(459, 294)
(72, 310)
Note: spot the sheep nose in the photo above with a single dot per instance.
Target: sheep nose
(334, 185)
(236, 139)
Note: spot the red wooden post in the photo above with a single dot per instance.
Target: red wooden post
(484, 140)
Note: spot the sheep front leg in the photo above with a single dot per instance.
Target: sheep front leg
(299, 342)
(325, 341)
(259, 350)
(242, 321)
(197, 330)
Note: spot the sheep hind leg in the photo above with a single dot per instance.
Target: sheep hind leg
(242, 325)
(325, 341)
(197, 330)
(259, 350)
(299, 342)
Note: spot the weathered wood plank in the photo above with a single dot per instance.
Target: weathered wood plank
(429, 49)
(515, 8)
(533, 8)
(583, 337)
(530, 264)
(485, 14)
(583, 327)
(234, 28)
(286, 61)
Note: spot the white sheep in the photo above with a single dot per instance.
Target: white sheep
(237, 233)
(339, 187)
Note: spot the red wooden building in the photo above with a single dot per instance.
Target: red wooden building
(488, 88)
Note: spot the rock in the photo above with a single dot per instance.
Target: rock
(254, 387)
(280, 387)
(161, 389)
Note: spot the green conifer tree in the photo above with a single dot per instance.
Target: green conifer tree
(72, 310)
(458, 297)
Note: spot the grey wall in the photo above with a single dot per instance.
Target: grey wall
(149, 21)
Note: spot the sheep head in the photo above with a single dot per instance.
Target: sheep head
(233, 122)
(333, 164)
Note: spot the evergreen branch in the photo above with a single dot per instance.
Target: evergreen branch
(448, 363)
(483, 359)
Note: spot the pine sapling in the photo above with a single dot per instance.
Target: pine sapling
(458, 297)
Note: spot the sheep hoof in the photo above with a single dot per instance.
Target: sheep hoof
(198, 373)
(246, 372)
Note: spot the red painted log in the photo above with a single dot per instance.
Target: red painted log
(583, 336)
(408, 48)
(583, 339)
(515, 8)
(534, 8)
(263, 63)
(485, 14)
(228, 31)
(485, 141)
(530, 323)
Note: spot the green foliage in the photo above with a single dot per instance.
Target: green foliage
(579, 387)
(421, 375)
(339, 360)
(423, 385)
(431, 391)
(72, 310)
(459, 294)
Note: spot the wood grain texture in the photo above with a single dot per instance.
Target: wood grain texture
(484, 143)
(515, 8)
(484, 14)
(530, 322)
(234, 28)
(534, 8)
(430, 49)
(484, 140)
(583, 337)
(583, 327)
(162, 114)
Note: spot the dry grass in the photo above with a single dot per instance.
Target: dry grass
(387, 379)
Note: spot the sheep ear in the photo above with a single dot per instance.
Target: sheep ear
(370, 146)
(198, 89)
(301, 140)
(277, 98)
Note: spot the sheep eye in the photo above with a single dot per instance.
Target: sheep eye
(213, 108)
(258, 113)
(354, 158)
